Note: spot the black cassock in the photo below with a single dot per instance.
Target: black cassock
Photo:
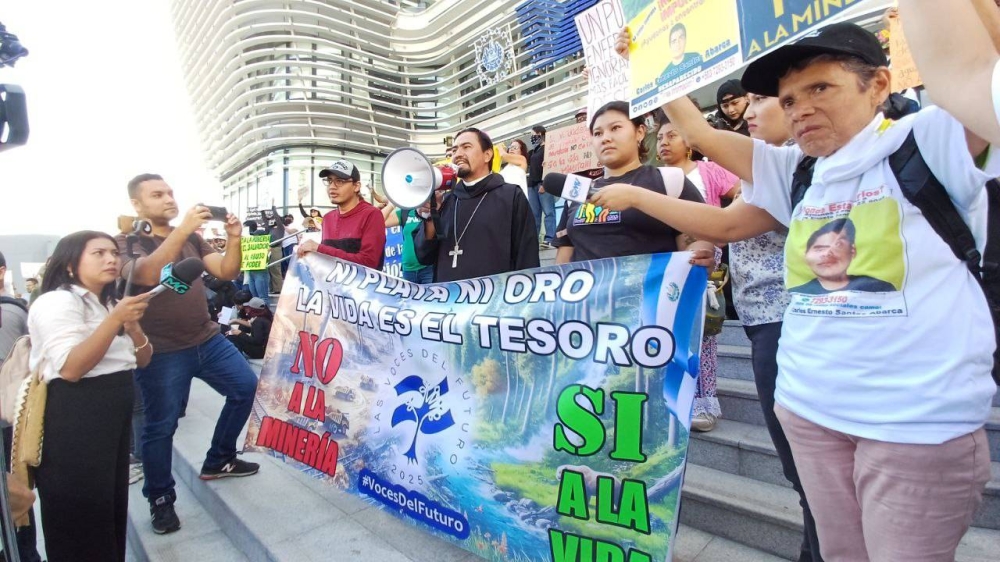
(500, 237)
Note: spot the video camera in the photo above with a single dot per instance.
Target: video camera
(13, 107)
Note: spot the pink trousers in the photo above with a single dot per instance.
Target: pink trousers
(881, 501)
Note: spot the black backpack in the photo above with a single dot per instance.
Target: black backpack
(926, 193)
(16, 302)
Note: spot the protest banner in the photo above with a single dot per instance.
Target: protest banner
(598, 28)
(570, 149)
(393, 264)
(256, 251)
(904, 68)
(539, 415)
(709, 39)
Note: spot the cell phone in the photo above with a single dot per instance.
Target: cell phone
(218, 213)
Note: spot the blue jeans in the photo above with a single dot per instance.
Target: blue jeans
(285, 252)
(422, 276)
(165, 384)
(543, 204)
(259, 282)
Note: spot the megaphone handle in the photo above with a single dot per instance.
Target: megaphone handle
(436, 217)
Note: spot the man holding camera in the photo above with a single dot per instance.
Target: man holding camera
(186, 343)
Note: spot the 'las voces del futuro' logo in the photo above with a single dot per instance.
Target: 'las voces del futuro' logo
(424, 405)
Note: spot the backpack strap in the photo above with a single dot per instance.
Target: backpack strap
(802, 180)
(16, 302)
(991, 257)
(926, 193)
(673, 180)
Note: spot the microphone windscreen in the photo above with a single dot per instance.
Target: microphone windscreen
(553, 183)
(189, 269)
(570, 187)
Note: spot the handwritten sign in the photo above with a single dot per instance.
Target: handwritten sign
(598, 27)
(569, 150)
(255, 252)
(904, 69)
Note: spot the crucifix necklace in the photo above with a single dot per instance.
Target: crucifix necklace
(458, 251)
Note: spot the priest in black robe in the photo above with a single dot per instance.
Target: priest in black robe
(486, 224)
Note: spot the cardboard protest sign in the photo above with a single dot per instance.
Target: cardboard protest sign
(904, 69)
(570, 149)
(523, 416)
(598, 27)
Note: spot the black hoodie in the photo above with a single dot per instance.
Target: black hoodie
(496, 230)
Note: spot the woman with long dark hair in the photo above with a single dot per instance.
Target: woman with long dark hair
(587, 232)
(86, 345)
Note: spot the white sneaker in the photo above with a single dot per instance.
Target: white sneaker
(703, 422)
(135, 473)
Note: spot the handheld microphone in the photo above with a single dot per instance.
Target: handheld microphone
(570, 187)
(180, 277)
(177, 279)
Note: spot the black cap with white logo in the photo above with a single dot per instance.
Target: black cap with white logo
(762, 76)
(343, 170)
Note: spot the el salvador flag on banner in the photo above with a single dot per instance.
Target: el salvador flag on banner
(674, 306)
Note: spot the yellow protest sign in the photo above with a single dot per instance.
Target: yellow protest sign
(256, 250)
(678, 46)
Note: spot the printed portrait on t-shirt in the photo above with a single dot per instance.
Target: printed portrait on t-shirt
(829, 253)
(847, 258)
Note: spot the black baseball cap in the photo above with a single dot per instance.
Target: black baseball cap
(729, 89)
(343, 170)
(762, 76)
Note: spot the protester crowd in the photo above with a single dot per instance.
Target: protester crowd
(880, 434)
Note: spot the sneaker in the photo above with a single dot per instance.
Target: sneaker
(135, 473)
(232, 469)
(703, 423)
(164, 517)
(544, 245)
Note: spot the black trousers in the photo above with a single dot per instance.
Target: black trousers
(83, 478)
(764, 351)
(246, 345)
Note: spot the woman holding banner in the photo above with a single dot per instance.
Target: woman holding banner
(886, 431)
(587, 232)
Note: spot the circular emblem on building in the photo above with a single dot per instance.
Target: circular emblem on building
(494, 56)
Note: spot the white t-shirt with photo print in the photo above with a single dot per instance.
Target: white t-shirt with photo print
(909, 363)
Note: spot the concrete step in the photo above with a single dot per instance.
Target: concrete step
(768, 517)
(735, 362)
(738, 400)
(284, 514)
(747, 450)
(733, 334)
(200, 537)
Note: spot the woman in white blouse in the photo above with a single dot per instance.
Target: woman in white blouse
(86, 346)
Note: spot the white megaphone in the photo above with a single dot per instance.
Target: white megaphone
(409, 178)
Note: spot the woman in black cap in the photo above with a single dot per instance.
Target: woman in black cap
(732, 100)
(887, 431)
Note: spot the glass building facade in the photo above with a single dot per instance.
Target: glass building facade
(280, 89)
